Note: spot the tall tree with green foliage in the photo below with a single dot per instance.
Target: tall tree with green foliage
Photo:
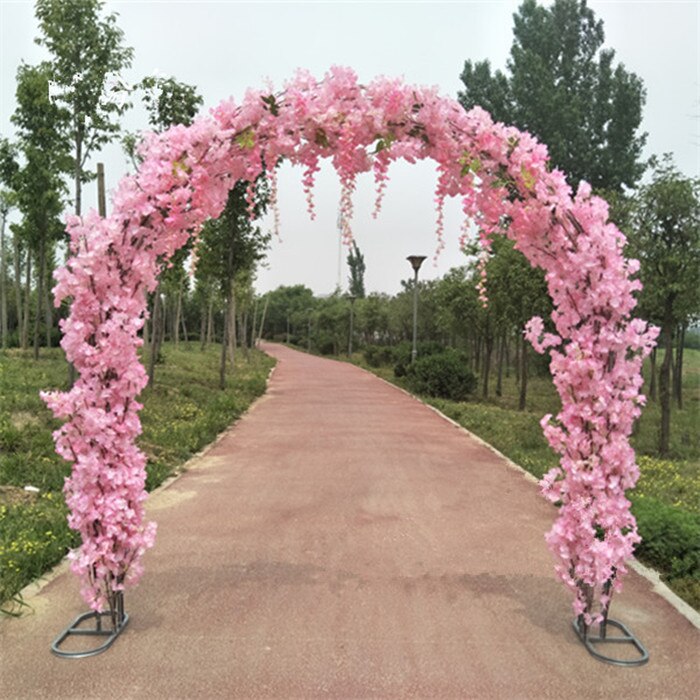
(39, 184)
(665, 237)
(563, 86)
(87, 53)
(356, 264)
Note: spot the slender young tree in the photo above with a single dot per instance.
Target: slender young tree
(7, 203)
(229, 245)
(87, 55)
(44, 151)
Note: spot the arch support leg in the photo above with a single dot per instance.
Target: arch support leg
(620, 635)
(105, 626)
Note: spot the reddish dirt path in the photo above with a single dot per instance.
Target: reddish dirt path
(343, 540)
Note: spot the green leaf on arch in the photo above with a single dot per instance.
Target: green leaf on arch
(246, 139)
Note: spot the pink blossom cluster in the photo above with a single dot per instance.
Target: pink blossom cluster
(502, 178)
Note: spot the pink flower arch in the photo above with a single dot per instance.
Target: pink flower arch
(502, 177)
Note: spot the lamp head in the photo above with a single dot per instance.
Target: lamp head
(416, 261)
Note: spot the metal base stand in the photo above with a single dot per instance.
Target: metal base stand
(117, 618)
(589, 641)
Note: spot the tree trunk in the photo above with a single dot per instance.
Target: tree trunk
(178, 315)
(488, 350)
(255, 320)
(232, 336)
(155, 337)
(3, 283)
(202, 327)
(678, 367)
(171, 317)
(523, 374)
(78, 210)
(224, 343)
(27, 295)
(146, 333)
(162, 335)
(210, 322)
(168, 317)
(244, 335)
(665, 380)
(501, 361)
(652, 378)
(48, 307)
(76, 172)
(506, 341)
(39, 295)
(18, 283)
(184, 331)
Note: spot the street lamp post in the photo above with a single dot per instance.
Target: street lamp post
(416, 261)
(352, 319)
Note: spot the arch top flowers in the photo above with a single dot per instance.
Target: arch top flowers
(506, 188)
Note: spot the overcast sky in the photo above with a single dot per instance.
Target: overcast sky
(224, 47)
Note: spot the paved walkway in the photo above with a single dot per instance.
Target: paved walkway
(343, 540)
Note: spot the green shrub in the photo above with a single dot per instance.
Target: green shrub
(379, 355)
(445, 375)
(325, 346)
(402, 354)
(670, 537)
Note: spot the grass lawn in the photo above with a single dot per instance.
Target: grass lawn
(183, 412)
(666, 500)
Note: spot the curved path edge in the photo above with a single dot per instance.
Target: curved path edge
(651, 575)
